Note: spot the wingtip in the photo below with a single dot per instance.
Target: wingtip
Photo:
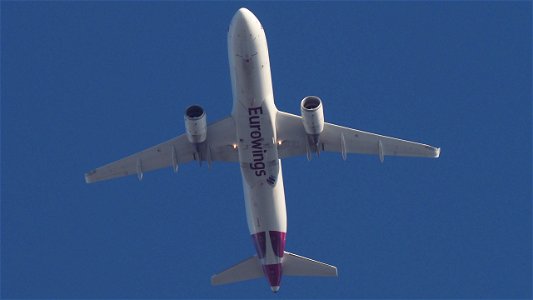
(437, 152)
(88, 176)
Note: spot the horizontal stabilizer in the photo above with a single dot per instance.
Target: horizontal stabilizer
(245, 270)
(296, 265)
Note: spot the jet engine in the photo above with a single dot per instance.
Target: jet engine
(196, 124)
(313, 121)
(312, 115)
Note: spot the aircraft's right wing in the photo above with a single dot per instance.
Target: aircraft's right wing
(344, 140)
(221, 136)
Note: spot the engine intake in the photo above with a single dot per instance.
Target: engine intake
(312, 115)
(196, 124)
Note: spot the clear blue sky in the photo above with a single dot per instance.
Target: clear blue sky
(86, 83)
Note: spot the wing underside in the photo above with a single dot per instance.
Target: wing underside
(172, 153)
(344, 140)
(221, 138)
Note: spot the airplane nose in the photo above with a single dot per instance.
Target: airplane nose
(244, 24)
(242, 14)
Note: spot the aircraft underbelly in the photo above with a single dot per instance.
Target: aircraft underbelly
(254, 113)
(260, 166)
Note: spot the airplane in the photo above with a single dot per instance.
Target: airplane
(258, 136)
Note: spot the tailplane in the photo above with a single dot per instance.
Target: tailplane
(245, 270)
(296, 265)
(292, 265)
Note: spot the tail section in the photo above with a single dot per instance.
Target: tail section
(296, 265)
(291, 265)
(245, 270)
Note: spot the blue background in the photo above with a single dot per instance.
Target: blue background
(86, 83)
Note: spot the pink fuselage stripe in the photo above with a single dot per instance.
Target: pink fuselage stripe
(273, 273)
(277, 240)
(259, 240)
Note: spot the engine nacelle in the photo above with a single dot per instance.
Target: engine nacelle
(196, 124)
(312, 115)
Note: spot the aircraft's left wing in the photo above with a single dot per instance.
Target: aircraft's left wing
(344, 140)
(218, 147)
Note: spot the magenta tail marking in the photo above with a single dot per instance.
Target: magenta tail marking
(277, 239)
(273, 273)
(259, 240)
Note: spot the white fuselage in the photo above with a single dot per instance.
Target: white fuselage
(255, 113)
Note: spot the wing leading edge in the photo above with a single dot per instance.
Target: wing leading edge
(172, 153)
(344, 140)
